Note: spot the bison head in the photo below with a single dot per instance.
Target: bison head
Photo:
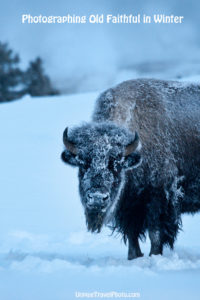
(103, 152)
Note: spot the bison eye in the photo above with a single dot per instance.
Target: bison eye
(114, 163)
(84, 163)
(80, 161)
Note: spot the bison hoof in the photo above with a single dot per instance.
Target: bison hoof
(131, 257)
(155, 253)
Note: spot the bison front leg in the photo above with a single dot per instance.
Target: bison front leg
(156, 243)
(133, 248)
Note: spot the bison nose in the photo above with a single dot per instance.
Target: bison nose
(97, 200)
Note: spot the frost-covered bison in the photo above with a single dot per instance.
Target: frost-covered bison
(139, 160)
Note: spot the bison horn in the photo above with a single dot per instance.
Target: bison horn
(69, 145)
(132, 146)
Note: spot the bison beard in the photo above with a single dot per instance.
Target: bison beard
(94, 220)
(152, 195)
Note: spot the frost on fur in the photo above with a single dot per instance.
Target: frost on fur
(149, 187)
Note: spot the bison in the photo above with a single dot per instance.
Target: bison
(139, 160)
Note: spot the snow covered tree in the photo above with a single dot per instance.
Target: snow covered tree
(10, 74)
(36, 81)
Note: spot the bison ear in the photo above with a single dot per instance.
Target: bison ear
(69, 158)
(132, 156)
(133, 160)
(68, 144)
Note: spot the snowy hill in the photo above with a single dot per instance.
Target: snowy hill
(45, 250)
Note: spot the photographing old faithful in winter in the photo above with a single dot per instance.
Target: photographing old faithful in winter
(100, 149)
(139, 160)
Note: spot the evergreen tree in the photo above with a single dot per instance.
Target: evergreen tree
(10, 74)
(36, 81)
(14, 83)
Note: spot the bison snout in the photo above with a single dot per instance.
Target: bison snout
(97, 200)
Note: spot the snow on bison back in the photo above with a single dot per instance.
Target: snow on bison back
(139, 160)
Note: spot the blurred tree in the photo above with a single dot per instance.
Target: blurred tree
(37, 83)
(14, 83)
(10, 74)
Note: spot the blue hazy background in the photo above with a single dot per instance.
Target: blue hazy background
(85, 57)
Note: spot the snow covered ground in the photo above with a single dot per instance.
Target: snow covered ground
(45, 250)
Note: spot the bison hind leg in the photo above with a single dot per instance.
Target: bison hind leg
(166, 235)
(156, 242)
